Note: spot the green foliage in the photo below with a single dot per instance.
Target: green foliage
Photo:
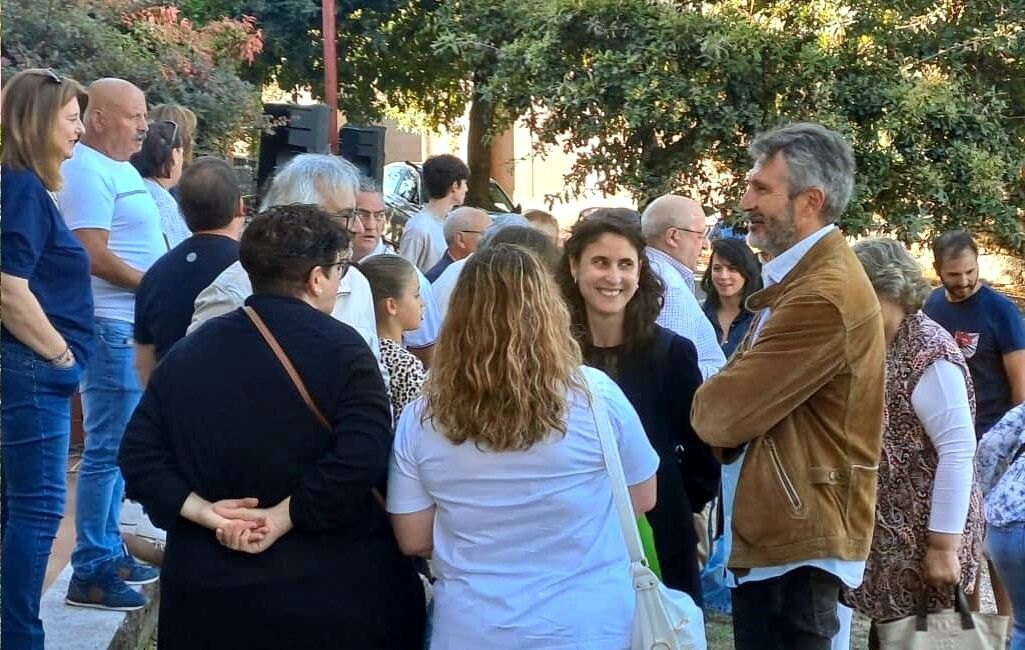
(658, 97)
(151, 46)
(664, 95)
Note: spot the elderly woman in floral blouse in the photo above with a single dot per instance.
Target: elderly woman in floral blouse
(929, 510)
(1000, 464)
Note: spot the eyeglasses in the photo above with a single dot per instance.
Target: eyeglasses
(367, 216)
(49, 74)
(343, 267)
(703, 233)
(475, 232)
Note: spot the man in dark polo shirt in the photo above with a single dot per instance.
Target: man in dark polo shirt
(211, 203)
(987, 327)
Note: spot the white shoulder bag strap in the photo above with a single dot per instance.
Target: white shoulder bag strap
(614, 467)
(664, 619)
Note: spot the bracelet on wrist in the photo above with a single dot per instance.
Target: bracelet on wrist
(67, 349)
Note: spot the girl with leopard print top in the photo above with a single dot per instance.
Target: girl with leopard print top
(398, 308)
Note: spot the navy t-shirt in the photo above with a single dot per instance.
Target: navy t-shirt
(36, 245)
(986, 327)
(166, 297)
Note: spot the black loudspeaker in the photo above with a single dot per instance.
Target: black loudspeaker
(363, 146)
(297, 129)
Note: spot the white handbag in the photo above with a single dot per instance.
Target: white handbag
(664, 619)
(953, 629)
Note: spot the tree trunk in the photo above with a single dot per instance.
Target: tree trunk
(478, 152)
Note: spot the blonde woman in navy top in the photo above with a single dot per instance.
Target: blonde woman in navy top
(45, 336)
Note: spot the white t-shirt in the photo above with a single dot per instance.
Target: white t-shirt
(354, 305)
(528, 551)
(103, 193)
(423, 240)
(445, 284)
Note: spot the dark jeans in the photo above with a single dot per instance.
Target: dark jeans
(796, 611)
(35, 421)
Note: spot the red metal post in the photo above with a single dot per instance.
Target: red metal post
(330, 73)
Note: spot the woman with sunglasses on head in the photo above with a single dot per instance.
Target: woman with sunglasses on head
(614, 298)
(263, 465)
(733, 274)
(45, 337)
(159, 162)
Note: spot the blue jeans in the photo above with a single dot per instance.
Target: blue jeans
(1005, 546)
(110, 392)
(35, 424)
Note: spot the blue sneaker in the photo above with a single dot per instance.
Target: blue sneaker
(135, 573)
(111, 593)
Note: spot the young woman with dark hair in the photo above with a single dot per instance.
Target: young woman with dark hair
(614, 298)
(732, 275)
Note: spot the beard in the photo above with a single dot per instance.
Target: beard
(961, 292)
(778, 233)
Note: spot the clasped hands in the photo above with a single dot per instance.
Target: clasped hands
(241, 526)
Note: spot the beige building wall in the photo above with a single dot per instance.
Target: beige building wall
(528, 178)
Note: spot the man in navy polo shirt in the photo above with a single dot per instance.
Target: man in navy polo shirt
(211, 203)
(987, 326)
(990, 331)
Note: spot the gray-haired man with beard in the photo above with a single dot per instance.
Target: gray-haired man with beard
(797, 413)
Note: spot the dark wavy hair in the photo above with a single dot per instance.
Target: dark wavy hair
(736, 253)
(642, 310)
(154, 159)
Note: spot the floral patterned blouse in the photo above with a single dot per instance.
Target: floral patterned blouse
(1003, 481)
(407, 375)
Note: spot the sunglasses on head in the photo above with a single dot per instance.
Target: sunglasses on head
(174, 132)
(49, 74)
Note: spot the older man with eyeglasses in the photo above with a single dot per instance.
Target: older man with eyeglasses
(330, 183)
(370, 210)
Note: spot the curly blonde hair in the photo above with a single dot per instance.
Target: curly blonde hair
(505, 356)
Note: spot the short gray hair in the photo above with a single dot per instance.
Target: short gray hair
(314, 179)
(893, 272)
(369, 185)
(815, 157)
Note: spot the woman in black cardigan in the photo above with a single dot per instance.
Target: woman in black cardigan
(222, 429)
(614, 298)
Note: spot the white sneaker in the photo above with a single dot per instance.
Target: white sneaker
(135, 521)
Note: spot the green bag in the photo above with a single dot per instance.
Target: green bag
(648, 543)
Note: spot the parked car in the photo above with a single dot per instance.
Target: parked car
(404, 195)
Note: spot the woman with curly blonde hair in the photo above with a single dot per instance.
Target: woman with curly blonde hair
(498, 476)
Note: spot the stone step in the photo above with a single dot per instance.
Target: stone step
(81, 628)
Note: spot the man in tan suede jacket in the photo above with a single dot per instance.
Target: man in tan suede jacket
(797, 414)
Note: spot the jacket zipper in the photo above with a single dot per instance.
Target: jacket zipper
(781, 474)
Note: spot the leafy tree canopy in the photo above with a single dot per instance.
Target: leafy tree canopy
(661, 96)
(169, 58)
